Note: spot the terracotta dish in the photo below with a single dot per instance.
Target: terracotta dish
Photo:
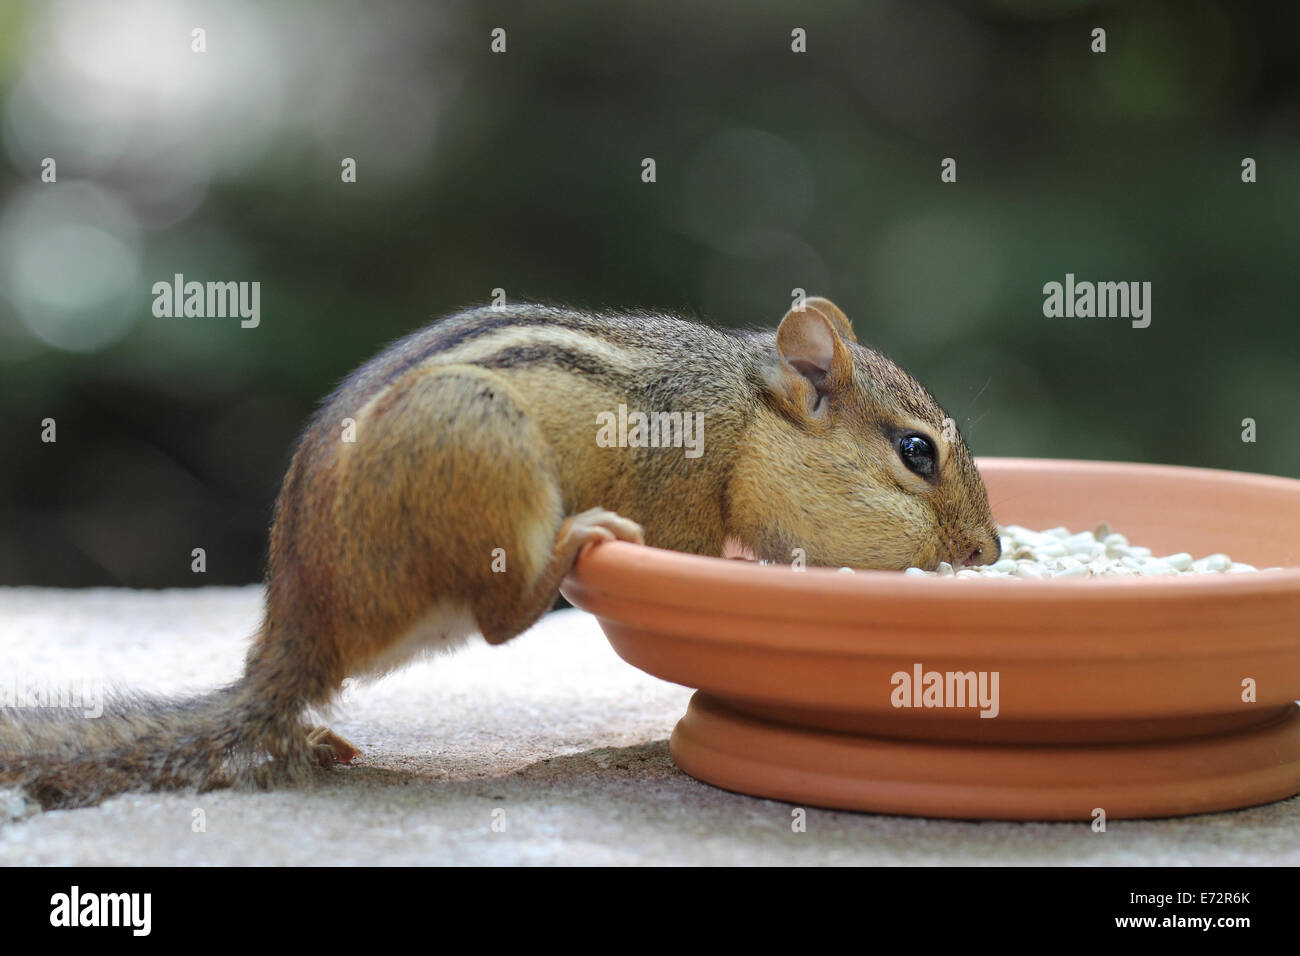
(1124, 695)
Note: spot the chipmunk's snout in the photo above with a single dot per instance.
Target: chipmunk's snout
(984, 550)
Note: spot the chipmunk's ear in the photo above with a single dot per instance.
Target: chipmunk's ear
(815, 361)
(833, 312)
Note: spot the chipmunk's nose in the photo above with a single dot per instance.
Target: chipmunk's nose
(986, 551)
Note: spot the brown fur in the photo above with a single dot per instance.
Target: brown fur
(478, 434)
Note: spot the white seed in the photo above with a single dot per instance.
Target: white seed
(1078, 571)
(1056, 553)
(845, 571)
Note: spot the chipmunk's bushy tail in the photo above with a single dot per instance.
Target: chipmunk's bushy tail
(233, 735)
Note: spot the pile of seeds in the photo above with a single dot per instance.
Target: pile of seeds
(1056, 553)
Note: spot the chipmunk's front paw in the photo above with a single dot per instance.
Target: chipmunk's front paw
(599, 524)
(329, 747)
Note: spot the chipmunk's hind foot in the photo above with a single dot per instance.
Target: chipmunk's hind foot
(329, 748)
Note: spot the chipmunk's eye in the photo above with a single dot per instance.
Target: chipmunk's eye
(918, 455)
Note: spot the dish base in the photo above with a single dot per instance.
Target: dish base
(1209, 772)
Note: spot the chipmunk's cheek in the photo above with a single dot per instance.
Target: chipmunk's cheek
(919, 546)
(925, 563)
(927, 560)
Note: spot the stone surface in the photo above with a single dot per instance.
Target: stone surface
(552, 734)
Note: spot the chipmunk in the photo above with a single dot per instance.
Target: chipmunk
(473, 444)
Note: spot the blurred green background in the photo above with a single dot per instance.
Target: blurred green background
(522, 170)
